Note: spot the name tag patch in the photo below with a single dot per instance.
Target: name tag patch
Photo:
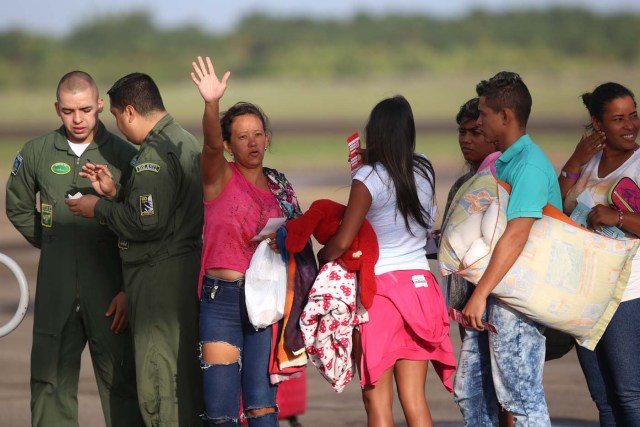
(419, 281)
(146, 205)
(46, 215)
(60, 168)
(17, 162)
(152, 167)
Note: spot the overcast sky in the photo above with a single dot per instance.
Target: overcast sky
(58, 16)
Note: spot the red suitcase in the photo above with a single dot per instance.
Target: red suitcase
(292, 399)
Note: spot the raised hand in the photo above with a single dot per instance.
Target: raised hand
(588, 146)
(211, 89)
(101, 179)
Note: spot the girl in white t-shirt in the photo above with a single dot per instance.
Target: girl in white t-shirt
(408, 323)
(599, 160)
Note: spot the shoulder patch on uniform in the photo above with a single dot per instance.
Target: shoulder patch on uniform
(17, 162)
(134, 160)
(60, 168)
(46, 215)
(153, 167)
(146, 205)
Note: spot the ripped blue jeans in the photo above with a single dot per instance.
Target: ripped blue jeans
(507, 366)
(224, 319)
(473, 389)
(517, 363)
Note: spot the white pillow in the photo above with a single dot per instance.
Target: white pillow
(465, 234)
(477, 250)
(489, 221)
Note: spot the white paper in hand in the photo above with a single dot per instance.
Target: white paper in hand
(272, 226)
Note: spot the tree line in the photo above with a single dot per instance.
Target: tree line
(363, 46)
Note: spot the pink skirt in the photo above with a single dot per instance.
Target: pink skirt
(407, 320)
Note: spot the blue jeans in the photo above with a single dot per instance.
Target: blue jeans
(612, 370)
(517, 363)
(516, 356)
(223, 318)
(473, 389)
(595, 381)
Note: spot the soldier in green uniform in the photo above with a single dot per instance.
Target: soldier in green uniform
(159, 223)
(79, 294)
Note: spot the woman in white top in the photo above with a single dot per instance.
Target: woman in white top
(408, 323)
(599, 160)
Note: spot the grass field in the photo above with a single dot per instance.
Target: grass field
(433, 97)
(342, 104)
(318, 157)
(325, 153)
(317, 164)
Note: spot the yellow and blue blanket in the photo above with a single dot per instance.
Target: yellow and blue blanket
(567, 277)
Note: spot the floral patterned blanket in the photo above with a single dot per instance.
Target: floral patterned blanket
(328, 320)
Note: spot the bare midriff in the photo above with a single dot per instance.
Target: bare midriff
(224, 274)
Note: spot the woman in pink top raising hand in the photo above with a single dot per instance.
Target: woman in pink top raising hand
(239, 197)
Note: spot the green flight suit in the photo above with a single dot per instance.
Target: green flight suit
(159, 223)
(78, 275)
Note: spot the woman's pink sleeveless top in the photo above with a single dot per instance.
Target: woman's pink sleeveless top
(231, 220)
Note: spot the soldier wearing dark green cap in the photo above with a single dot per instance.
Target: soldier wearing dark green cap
(159, 222)
(79, 294)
